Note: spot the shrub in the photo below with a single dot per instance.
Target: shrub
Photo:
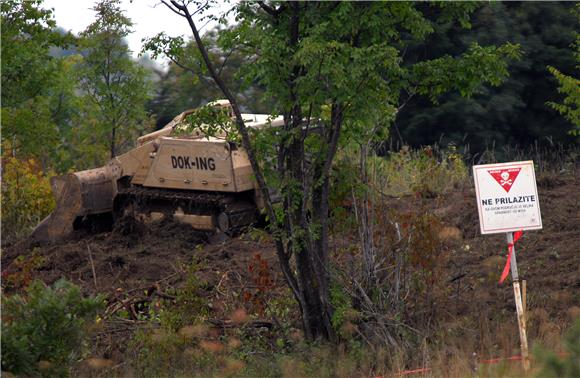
(425, 171)
(43, 330)
(258, 296)
(26, 196)
(21, 271)
(169, 341)
(189, 305)
(569, 366)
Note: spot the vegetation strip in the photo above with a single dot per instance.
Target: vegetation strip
(488, 362)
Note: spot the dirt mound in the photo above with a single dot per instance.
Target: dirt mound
(134, 255)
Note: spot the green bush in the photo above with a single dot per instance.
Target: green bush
(43, 330)
(189, 305)
(425, 171)
(26, 196)
(164, 345)
(569, 366)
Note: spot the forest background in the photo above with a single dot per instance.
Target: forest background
(55, 112)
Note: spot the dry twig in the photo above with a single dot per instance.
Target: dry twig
(92, 266)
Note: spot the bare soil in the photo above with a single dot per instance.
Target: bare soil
(136, 255)
(139, 257)
(548, 259)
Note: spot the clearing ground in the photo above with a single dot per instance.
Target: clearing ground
(135, 258)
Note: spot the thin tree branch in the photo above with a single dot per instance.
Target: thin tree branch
(271, 11)
(172, 8)
(336, 125)
(225, 61)
(199, 9)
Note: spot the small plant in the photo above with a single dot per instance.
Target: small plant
(344, 312)
(188, 307)
(264, 284)
(155, 349)
(43, 330)
(20, 273)
(426, 254)
(26, 196)
(569, 366)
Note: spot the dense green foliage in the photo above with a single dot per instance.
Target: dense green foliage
(26, 197)
(113, 85)
(566, 366)
(570, 86)
(27, 35)
(29, 80)
(515, 112)
(61, 97)
(43, 330)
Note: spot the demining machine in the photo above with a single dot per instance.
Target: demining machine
(205, 181)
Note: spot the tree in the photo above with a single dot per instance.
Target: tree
(332, 69)
(28, 74)
(27, 34)
(111, 81)
(513, 113)
(178, 89)
(569, 87)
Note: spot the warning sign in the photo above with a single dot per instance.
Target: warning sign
(505, 177)
(507, 197)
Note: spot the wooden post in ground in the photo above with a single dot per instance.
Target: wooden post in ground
(525, 300)
(519, 305)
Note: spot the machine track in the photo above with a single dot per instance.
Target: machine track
(230, 212)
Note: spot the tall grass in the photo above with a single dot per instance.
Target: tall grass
(548, 157)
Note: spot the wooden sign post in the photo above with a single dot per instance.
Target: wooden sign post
(507, 201)
(519, 304)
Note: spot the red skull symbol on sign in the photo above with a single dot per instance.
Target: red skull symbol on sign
(505, 177)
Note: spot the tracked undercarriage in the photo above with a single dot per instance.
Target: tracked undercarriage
(203, 210)
(203, 180)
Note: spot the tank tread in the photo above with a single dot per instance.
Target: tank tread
(195, 202)
(232, 211)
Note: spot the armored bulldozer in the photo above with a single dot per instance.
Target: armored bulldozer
(206, 181)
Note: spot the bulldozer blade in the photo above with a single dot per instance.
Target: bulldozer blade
(77, 194)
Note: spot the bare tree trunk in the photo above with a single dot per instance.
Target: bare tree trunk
(113, 137)
(366, 222)
(321, 251)
(304, 287)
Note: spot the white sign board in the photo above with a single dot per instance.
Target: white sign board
(507, 197)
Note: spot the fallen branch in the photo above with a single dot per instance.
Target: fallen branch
(130, 303)
(92, 266)
(458, 277)
(227, 323)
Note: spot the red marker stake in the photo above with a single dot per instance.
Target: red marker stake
(519, 305)
(506, 269)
